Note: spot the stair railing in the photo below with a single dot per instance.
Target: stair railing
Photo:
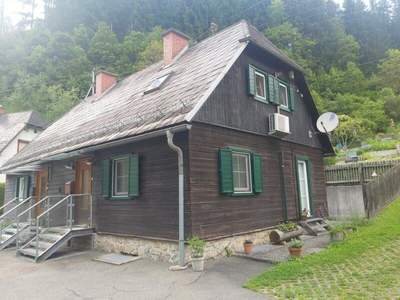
(29, 211)
(12, 211)
(8, 203)
(70, 202)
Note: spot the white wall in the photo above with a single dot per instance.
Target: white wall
(28, 134)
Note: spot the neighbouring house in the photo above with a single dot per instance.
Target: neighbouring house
(16, 131)
(237, 109)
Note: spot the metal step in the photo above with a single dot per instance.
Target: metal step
(30, 252)
(5, 237)
(43, 245)
(49, 237)
(10, 231)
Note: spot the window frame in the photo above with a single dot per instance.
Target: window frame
(258, 73)
(114, 195)
(283, 84)
(151, 87)
(249, 174)
(21, 144)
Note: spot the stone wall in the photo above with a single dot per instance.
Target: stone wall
(167, 251)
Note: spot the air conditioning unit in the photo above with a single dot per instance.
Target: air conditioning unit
(279, 124)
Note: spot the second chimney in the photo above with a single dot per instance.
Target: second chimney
(174, 42)
(104, 80)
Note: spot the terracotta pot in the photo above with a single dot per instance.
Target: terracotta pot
(296, 252)
(248, 248)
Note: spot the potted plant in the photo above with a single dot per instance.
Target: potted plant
(296, 247)
(305, 214)
(248, 246)
(285, 232)
(338, 232)
(196, 246)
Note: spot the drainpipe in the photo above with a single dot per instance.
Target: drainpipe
(178, 150)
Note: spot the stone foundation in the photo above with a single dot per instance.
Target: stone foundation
(167, 251)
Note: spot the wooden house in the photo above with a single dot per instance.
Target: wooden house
(237, 109)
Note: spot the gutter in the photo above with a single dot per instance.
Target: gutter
(174, 147)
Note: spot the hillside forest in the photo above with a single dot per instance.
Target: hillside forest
(350, 53)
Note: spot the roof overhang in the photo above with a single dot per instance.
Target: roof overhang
(35, 165)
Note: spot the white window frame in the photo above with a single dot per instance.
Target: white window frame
(287, 95)
(257, 96)
(249, 188)
(114, 177)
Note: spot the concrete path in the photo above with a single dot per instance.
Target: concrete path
(79, 277)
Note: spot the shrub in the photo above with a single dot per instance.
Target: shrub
(196, 246)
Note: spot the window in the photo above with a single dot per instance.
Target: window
(283, 95)
(21, 145)
(22, 188)
(156, 83)
(241, 172)
(260, 86)
(120, 176)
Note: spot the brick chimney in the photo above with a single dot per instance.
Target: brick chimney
(104, 80)
(2, 110)
(174, 42)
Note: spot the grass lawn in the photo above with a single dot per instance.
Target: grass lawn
(364, 266)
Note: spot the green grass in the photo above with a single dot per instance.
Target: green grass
(365, 265)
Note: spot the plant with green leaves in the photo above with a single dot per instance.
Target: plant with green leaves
(287, 226)
(196, 246)
(296, 243)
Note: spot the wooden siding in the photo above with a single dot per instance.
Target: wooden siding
(216, 215)
(155, 212)
(230, 104)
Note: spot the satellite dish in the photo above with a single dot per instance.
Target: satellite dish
(327, 122)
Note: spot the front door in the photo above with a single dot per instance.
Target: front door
(83, 186)
(41, 188)
(303, 186)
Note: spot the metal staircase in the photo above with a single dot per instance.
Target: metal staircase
(68, 218)
(9, 227)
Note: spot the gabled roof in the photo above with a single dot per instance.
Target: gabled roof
(12, 124)
(126, 111)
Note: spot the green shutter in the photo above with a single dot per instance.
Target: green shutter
(292, 97)
(251, 81)
(272, 91)
(257, 170)
(106, 180)
(133, 175)
(225, 171)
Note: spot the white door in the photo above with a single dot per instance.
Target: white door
(303, 186)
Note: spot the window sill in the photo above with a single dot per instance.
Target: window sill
(260, 99)
(249, 194)
(285, 109)
(114, 198)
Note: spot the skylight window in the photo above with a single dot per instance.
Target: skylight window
(156, 83)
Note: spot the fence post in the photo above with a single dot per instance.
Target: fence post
(361, 173)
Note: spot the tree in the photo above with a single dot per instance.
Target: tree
(391, 104)
(349, 131)
(389, 70)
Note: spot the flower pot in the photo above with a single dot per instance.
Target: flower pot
(248, 248)
(295, 252)
(198, 264)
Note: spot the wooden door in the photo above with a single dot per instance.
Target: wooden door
(42, 185)
(83, 185)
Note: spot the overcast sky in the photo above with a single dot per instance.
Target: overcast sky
(14, 7)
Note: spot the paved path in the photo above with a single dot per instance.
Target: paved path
(78, 277)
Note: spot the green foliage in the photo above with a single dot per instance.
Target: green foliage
(196, 246)
(370, 240)
(287, 226)
(296, 243)
(349, 131)
(389, 70)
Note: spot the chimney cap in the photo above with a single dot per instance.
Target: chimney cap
(106, 72)
(173, 30)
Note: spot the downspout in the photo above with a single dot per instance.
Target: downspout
(178, 150)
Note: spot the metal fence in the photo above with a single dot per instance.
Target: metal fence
(358, 173)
